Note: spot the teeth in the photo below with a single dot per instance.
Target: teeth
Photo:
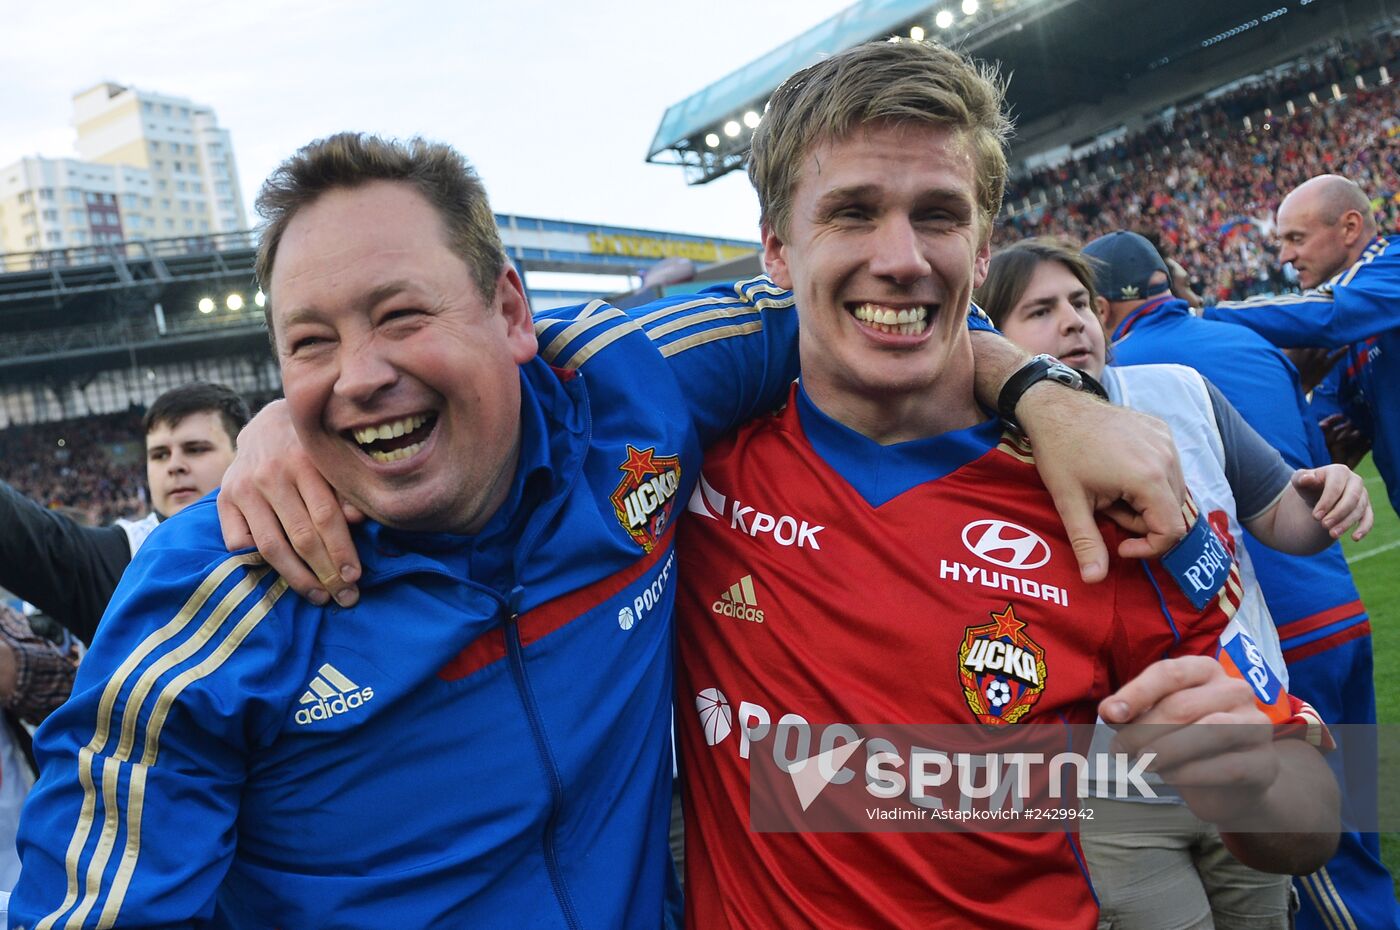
(905, 322)
(395, 456)
(389, 430)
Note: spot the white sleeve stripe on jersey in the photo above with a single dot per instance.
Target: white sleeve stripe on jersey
(131, 711)
(136, 790)
(710, 335)
(595, 345)
(1373, 252)
(575, 329)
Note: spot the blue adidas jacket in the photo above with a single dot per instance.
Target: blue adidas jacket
(1312, 598)
(1359, 307)
(482, 741)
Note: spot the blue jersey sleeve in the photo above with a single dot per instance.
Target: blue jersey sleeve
(1358, 303)
(732, 347)
(132, 822)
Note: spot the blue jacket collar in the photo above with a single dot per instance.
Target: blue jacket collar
(553, 438)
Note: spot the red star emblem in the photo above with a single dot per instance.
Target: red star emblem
(1007, 624)
(639, 463)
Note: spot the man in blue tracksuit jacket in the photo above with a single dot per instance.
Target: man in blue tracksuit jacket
(1323, 627)
(486, 734)
(1351, 276)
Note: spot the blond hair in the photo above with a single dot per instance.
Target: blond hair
(901, 82)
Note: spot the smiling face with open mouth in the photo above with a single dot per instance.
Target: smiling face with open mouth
(402, 378)
(1055, 316)
(884, 246)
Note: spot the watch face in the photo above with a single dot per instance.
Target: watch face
(1064, 374)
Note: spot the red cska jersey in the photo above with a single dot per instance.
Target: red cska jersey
(928, 582)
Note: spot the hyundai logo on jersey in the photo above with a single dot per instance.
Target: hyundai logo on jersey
(1005, 544)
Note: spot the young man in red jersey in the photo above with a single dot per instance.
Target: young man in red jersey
(873, 553)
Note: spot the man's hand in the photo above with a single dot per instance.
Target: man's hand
(1166, 710)
(1093, 457)
(1346, 444)
(1314, 364)
(1216, 747)
(1338, 499)
(1096, 457)
(274, 498)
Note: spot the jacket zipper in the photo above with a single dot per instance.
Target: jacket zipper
(556, 785)
(511, 632)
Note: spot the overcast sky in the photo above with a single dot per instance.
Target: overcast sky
(555, 103)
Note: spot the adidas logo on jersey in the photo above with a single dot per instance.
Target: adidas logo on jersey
(739, 602)
(330, 693)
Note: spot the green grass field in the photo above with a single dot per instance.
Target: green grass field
(1375, 564)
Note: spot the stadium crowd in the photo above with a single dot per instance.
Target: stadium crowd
(91, 464)
(1205, 188)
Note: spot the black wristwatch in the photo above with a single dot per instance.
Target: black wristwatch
(1041, 368)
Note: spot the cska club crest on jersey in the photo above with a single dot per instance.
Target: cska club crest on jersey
(643, 499)
(1002, 669)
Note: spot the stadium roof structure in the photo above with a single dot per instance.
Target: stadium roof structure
(69, 313)
(1076, 67)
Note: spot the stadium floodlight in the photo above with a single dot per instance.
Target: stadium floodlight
(206, 305)
(969, 7)
(944, 19)
(731, 128)
(712, 140)
(751, 119)
(260, 299)
(234, 301)
(916, 33)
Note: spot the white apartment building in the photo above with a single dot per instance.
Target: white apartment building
(58, 203)
(152, 167)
